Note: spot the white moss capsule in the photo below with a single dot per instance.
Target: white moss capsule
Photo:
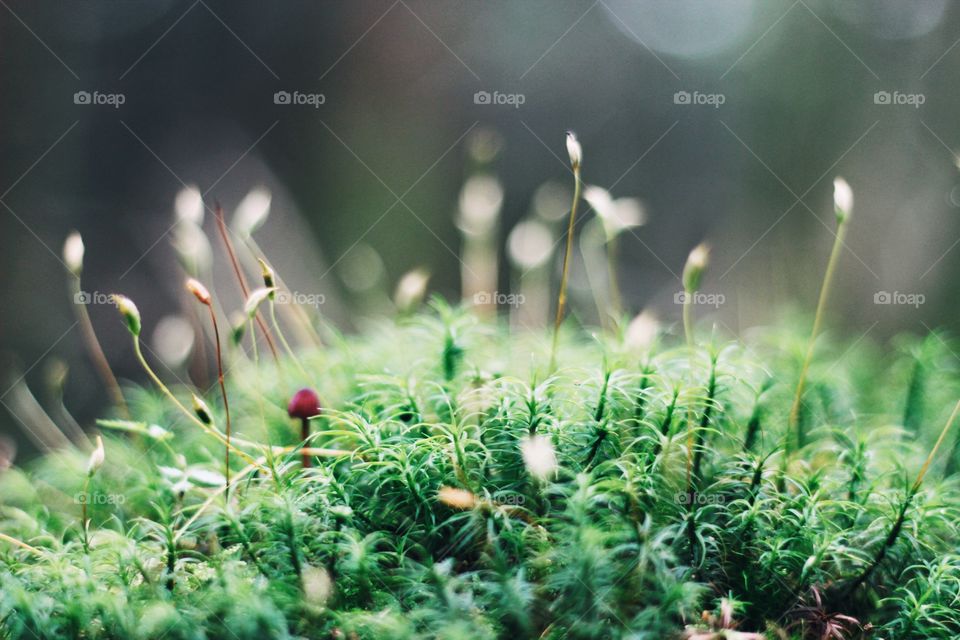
(269, 277)
(199, 291)
(129, 312)
(97, 458)
(256, 298)
(200, 408)
(574, 150)
(697, 262)
(73, 253)
(539, 456)
(842, 200)
(456, 498)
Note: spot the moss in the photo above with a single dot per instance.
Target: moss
(614, 543)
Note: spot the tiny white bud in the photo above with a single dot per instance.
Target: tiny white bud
(192, 247)
(317, 587)
(200, 408)
(411, 289)
(696, 264)
(456, 498)
(188, 206)
(641, 332)
(252, 212)
(129, 312)
(199, 291)
(268, 274)
(256, 298)
(615, 215)
(97, 458)
(539, 456)
(842, 199)
(73, 253)
(574, 150)
(180, 488)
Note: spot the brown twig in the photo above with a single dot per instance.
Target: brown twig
(225, 235)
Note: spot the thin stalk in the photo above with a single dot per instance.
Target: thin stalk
(166, 391)
(601, 430)
(213, 496)
(613, 281)
(223, 392)
(256, 368)
(20, 543)
(705, 421)
(283, 339)
(688, 318)
(304, 436)
(296, 310)
(225, 235)
(96, 351)
(84, 520)
(565, 271)
(793, 423)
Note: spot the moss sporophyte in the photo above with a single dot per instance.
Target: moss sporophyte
(466, 477)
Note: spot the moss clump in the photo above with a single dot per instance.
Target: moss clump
(480, 498)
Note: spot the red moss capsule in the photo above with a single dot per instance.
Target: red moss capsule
(304, 404)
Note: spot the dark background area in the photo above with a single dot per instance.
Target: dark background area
(753, 176)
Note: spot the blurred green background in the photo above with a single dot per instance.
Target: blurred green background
(783, 96)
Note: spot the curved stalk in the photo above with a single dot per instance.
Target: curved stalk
(96, 350)
(565, 271)
(166, 391)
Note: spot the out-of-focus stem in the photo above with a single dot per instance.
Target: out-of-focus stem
(166, 391)
(223, 392)
(225, 235)
(96, 351)
(613, 283)
(794, 422)
(283, 339)
(565, 271)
